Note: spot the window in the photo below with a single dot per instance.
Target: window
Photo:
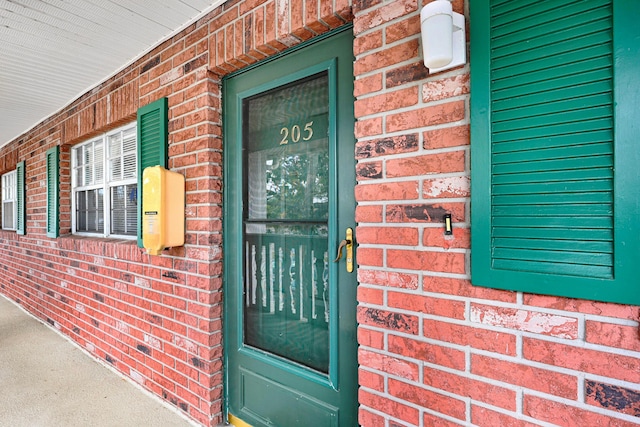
(554, 156)
(104, 183)
(9, 205)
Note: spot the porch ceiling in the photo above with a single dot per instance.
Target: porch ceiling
(52, 51)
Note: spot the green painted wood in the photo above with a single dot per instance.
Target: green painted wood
(568, 236)
(550, 244)
(21, 227)
(573, 141)
(152, 141)
(552, 128)
(53, 192)
(263, 388)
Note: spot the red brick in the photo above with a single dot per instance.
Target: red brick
(368, 419)
(368, 213)
(387, 235)
(386, 101)
(385, 58)
(565, 415)
(483, 339)
(387, 191)
(555, 383)
(435, 237)
(427, 399)
(367, 85)
(379, 16)
(370, 338)
(388, 278)
(370, 296)
(435, 421)
(481, 416)
(427, 352)
(428, 116)
(388, 406)
(626, 368)
(369, 257)
(446, 262)
(367, 42)
(582, 306)
(370, 380)
(454, 136)
(613, 335)
(409, 73)
(524, 320)
(448, 162)
(388, 320)
(388, 364)
(474, 389)
(368, 127)
(249, 5)
(406, 28)
(463, 288)
(426, 304)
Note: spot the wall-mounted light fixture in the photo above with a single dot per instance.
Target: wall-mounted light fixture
(443, 36)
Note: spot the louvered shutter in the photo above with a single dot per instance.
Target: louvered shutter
(543, 143)
(53, 229)
(152, 144)
(21, 227)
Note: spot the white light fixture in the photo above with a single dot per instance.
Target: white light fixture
(443, 36)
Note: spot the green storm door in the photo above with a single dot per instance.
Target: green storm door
(290, 327)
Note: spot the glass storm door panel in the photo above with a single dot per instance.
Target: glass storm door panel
(290, 335)
(286, 310)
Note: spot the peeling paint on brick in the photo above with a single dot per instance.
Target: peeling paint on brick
(422, 213)
(524, 320)
(386, 146)
(390, 320)
(150, 64)
(170, 275)
(143, 349)
(613, 397)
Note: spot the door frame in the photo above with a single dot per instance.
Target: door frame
(233, 212)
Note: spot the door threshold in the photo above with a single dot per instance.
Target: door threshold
(237, 422)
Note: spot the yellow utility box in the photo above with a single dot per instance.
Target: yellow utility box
(162, 209)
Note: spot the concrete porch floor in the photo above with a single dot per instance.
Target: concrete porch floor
(46, 381)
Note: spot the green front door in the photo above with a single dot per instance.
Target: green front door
(290, 327)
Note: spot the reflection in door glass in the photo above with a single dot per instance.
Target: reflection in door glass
(286, 270)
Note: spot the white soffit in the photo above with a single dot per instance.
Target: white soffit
(52, 51)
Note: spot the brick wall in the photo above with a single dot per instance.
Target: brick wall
(435, 350)
(156, 319)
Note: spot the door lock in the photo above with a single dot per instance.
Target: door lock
(347, 243)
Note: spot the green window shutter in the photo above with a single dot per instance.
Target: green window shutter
(552, 166)
(53, 190)
(21, 219)
(152, 144)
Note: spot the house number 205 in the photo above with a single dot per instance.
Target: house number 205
(295, 133)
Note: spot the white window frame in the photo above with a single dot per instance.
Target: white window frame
(107, 184)
(9, 186)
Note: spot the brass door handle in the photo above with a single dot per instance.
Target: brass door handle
(347, 244)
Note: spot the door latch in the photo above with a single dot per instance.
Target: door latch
(347, 244)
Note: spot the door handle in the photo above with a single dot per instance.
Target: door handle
(346, 243)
